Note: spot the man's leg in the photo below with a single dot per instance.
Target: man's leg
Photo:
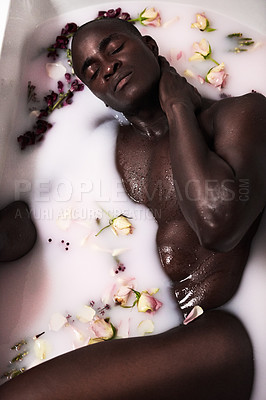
(211, 358)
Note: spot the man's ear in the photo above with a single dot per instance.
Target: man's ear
(151, 44)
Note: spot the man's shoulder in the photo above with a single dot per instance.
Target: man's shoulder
(234, 118)
(237, 108)
(239, 126)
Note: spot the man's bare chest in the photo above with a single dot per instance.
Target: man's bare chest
(145, 169)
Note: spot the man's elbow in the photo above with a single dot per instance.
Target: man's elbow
(218, 236)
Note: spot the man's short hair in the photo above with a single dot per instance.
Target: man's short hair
(129, 26)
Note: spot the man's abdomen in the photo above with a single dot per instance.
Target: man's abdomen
(199, 276)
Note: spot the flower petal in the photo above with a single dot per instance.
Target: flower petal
(102, 329)
(55, 70)
(40, 349)
(86, 314)
(145, 326)
(152, 16)
(121, 225)
(148, 303)
(57, 321)
(194, 313)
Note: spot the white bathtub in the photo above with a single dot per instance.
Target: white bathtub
(18, 19)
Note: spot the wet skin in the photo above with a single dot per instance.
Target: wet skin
(183, 157)
(175, 137)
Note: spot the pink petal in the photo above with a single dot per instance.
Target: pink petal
(194, 313)
(179, 55)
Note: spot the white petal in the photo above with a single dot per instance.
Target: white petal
(55, 70)
(40, 348)
(57, 321)
(171, 21)
(78, 335)
(123, 329)
(117, 252)
(86, 314)
(145, 326)
(84, 240)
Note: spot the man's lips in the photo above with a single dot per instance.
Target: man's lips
(121, 81)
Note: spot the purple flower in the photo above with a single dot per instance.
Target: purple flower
(125, 16)
(70, 28)
(60, 87)
(68, 77)
(113, 13)
(76, 86)
(52, 52)
(69, 99)
(61, 42)
(101, 14)
(43, 113)
(41, 126)
(27, 139)
(51, 98)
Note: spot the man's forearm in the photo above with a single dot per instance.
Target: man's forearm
(206, 184)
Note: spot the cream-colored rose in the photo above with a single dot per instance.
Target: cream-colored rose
(201, 22)
(121, 225)
(217, 76)
(122, 295)
(102, 329)
(152, 17)
(202, 50)
(148, 303)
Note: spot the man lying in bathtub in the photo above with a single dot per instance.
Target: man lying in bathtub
(184, 158)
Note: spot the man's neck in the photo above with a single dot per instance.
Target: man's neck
(149, 121)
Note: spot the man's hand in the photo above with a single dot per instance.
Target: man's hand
(174, 89)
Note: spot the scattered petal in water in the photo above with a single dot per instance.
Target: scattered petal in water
(145, 326)
(194, 313)
(171, 21)
(40, 349)
(57, 321)
(86, 314)
(123, 328)
(55, 70)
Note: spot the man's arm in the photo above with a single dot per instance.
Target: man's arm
(209, 179)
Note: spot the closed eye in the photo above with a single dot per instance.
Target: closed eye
(95, 74)
(118, 49)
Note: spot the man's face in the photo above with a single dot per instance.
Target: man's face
(119, 67)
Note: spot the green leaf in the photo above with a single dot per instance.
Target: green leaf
(232, 35)
(136, 293)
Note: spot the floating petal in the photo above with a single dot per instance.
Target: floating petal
(86, 314)
(194, 313)
(55, 70)
(57, 321)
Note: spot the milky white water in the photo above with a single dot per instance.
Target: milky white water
(73, 171)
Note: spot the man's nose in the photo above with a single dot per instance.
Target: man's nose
(111, 68)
